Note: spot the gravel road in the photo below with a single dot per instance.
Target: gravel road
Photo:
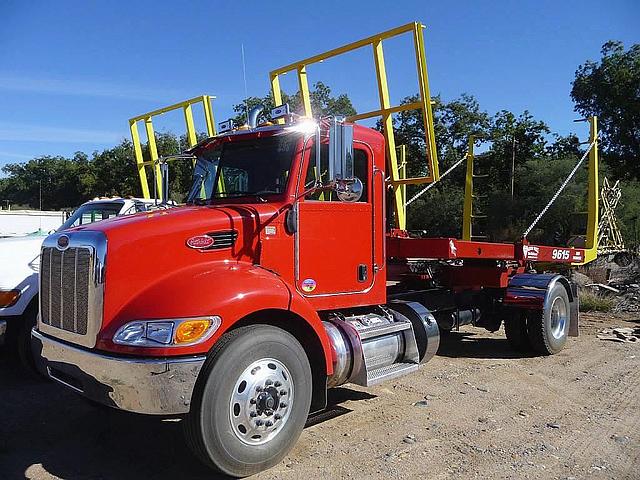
(475, 411)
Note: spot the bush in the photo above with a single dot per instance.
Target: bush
(595, 302)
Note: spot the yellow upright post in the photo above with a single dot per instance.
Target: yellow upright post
(277, 93)
(208, 115)
(191, 129)
(137, 151)
(303, 84)
(387, 124)
(468, 194)
(593, 192)
(153, 153)
(425, 99)
(403, 173)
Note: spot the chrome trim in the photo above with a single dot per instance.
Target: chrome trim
(157, 386)
(96, 242)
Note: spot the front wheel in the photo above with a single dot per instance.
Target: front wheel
(251, 402)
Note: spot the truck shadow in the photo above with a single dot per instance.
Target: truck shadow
(469, 344)
(46, 431)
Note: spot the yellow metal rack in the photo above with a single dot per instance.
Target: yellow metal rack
(386, 110)
(147, 118)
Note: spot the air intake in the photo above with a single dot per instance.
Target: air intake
(222, 239)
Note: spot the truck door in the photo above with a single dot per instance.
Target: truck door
(334, 239)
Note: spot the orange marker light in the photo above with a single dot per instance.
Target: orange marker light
(191, 330)
(8, 297)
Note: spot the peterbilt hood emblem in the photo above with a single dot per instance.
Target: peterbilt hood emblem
(200, 241)
(63, 242)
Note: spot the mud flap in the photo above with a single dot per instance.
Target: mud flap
(574, 307)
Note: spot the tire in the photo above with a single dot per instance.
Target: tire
(549, 328)
(251, 401)
(25, 354)
(515, 328)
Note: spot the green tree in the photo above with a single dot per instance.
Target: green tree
(610, 89)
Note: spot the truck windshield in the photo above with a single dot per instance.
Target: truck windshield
(92, 212)
(257, 168)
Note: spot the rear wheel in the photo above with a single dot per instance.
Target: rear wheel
(515, 328)
(549, 328)
(252, 401)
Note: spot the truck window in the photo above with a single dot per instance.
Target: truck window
(361, 170)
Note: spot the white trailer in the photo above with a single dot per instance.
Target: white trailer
(15, 223)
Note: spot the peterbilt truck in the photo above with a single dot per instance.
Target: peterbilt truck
(284, 275)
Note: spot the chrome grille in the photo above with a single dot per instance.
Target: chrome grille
(222, 239)
(65, 279)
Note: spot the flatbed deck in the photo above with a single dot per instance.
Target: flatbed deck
(454, 249)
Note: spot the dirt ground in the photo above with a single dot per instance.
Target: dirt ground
(475, 411)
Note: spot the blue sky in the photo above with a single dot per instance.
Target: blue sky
(72, 73)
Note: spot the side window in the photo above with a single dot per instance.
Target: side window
(361, 169)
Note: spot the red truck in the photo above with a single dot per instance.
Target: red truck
(280, 278)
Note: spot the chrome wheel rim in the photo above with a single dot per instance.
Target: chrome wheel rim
(261, 401)
(559, 317)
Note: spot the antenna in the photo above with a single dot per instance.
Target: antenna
(244, 77)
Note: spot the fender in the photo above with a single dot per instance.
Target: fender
(531, 291)
(228, 289)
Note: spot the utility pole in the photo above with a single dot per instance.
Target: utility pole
(513, 166)
(40, 184)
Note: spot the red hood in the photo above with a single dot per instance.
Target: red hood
(145, 247)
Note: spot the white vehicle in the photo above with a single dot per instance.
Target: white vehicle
(20, 263)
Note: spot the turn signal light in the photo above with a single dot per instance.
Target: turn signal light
(8, 297)
(192, 330)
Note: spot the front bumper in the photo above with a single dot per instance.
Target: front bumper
(3, 331)
(160, 386)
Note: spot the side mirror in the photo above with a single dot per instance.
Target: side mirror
(347, 186)
(340, 150)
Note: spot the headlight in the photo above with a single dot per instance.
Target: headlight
(174, 332)
(9, 297)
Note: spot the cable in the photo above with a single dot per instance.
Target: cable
(426, 189)
(562, 187)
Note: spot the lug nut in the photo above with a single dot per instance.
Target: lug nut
(277, 416)
(253, 414)
(252, 401)
(283, 405)
(268, 382)
(277, 384)
(269, 423)
(258, 423)
(258, 388)
(283, 392)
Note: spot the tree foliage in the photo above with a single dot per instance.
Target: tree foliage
(610, 89)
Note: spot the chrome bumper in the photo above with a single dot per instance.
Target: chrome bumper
(3, 331)
(161, 386)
